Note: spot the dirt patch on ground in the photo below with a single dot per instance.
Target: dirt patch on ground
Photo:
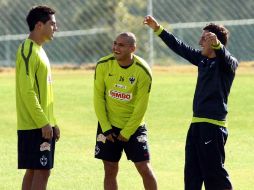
(246, 68)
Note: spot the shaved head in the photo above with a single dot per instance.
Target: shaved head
(130, 37)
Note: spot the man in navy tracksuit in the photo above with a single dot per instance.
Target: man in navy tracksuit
(207, 135)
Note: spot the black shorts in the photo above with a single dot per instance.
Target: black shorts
(35, 152)
(136, 149)
(205, 157)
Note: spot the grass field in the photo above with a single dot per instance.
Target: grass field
(168, 119)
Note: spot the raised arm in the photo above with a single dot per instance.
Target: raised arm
(175, 44)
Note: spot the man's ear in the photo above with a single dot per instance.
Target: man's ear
(38, 25)
(133, 48)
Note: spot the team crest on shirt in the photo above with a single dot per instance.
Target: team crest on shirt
(45, 146)
(43, 160)
(132, 80)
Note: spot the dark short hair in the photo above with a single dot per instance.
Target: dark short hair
(220, 31)
(40, 13)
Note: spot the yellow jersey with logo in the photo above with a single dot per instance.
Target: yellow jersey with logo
(121, 94)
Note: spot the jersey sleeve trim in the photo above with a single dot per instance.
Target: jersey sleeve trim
(38, 87)
(103, 60)
(106, 59)
(26, 59)
(145, 69)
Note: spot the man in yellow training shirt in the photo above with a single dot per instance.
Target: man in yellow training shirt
(122, 86)
(37, 129)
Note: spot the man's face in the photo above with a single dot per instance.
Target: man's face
(49, 28)
(205, 45)
(122, 48)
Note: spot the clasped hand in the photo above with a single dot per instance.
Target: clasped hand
(112, 136)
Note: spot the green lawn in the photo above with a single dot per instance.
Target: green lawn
(168, 119)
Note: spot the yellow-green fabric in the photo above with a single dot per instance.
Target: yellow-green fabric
(121, 94)
(206, 120)
(34, 93)
(158, 32)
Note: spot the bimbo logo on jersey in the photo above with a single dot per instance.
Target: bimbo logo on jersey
(120, 95)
